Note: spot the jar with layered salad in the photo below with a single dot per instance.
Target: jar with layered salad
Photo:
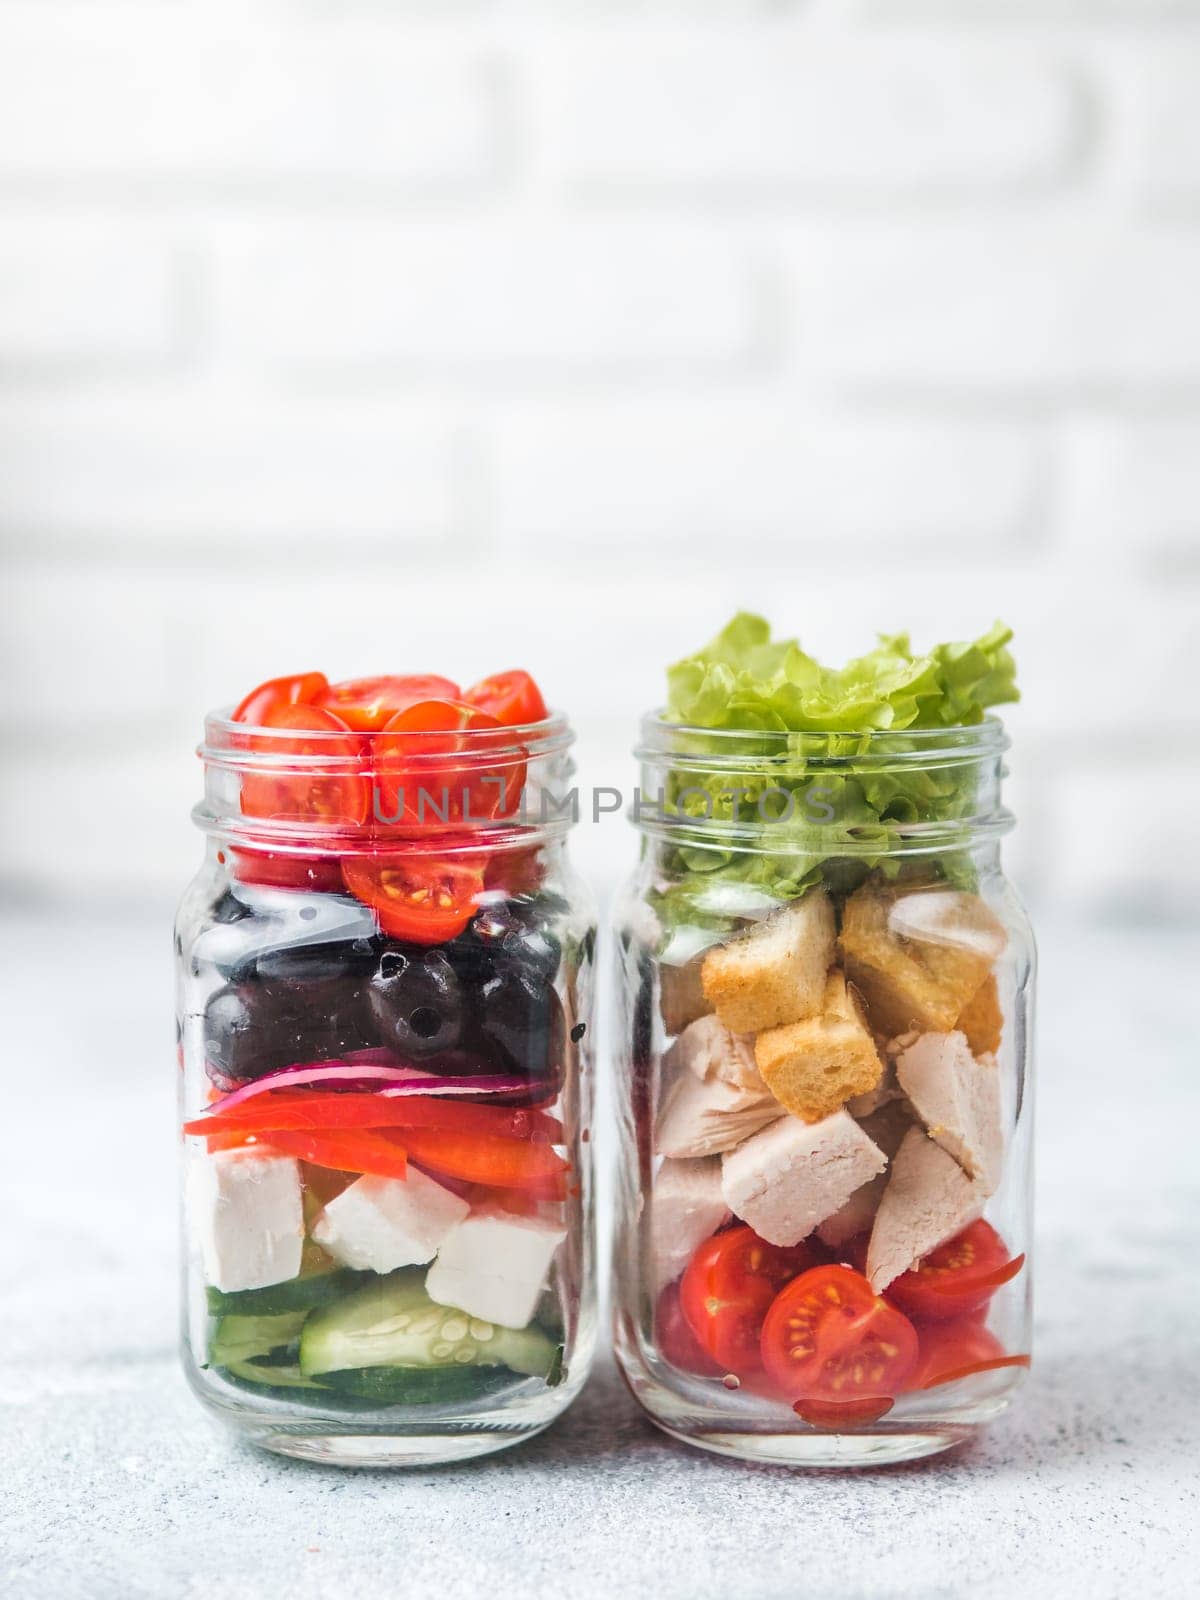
(825, 1005)
(384, 1022)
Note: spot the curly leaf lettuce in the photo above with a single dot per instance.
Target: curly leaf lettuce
(832, 823)
(742, 679)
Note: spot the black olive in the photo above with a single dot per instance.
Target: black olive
(521, 1021)
(250, 1029)
(416, 1002)
(508, 933)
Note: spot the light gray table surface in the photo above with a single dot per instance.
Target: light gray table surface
(114, 1485)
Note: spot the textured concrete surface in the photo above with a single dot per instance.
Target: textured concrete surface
(114, 1486)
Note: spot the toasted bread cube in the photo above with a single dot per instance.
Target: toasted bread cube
(915, 969)
(792, 1175)
(700, 1117)
(928, 1199)
(886, 1128)
(775, 973)
(862, 1106)
(982, 1020)
(813, 1067)
(958, 1100)
(681, 994)
(708, 1049)
(686, 1207)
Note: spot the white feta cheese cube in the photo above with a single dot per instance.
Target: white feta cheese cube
(958, 1100)
(378, 1224)
(246, 1218)
(792, 1175)
(686, 1207)
(493, 1266)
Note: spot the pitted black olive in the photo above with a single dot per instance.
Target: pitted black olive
(521, 1021)
(251, 1029)
(417, 1003)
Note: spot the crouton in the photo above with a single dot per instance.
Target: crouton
(982, 1020)
(681, 995)
(707, 1049)
(887, 1089)
(885, 1127)
(686, 1206)
(928, 1199)
(791, 1176)
(700, 1117)
(813, 1067)
(916, 970)
(775, 972)
(958, 1100)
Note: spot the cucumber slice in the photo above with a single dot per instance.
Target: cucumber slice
(420, 1386)
(268, 1376)
(392, 1322)
(242, 1338)
(296, 1294)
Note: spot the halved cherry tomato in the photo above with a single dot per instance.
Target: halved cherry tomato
(677, 1343)
(427, 899)
(302, 689)
(511, 697)
(952, 1350)
(366, 704)
(838, 1414)
(482, 1158)
(829, 1338)
(340, 797)
(727, 1288)
(959, 1276)
(432, 766)
(273, 870)
(322, 1111)
(350, 1150)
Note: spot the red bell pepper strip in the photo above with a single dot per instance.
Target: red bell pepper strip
(350, 1151)
(318, 1112)
(503, 1163)
(969, 1371)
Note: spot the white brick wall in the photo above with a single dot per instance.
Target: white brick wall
(462, 334)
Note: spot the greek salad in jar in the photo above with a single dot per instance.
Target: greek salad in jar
(384, 1014)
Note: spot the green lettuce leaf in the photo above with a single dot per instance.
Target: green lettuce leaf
(744, 680)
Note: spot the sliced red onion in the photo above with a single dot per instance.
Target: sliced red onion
(353, 1072)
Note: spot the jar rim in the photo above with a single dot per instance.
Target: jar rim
(234, 751)
(963, 764)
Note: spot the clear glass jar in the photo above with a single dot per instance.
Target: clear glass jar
(388, 1248)
(824, 1048)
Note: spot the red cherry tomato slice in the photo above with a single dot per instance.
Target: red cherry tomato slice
(366, 704)
(959, 1276)
(950, 1347)
(427, 899)
(319, 874)
(676, 1342)
(829, 1338)
(302, 689)
(301, 796)
(511, 697)
(428, 771)
(727, 1288)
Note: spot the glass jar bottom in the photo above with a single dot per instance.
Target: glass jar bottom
(753, 1436)
(380, 1439)
(375, 1450)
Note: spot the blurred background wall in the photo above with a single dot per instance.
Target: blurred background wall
(458, 336)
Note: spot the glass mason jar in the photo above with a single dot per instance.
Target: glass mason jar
(824, 1044)
(384, 1018)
